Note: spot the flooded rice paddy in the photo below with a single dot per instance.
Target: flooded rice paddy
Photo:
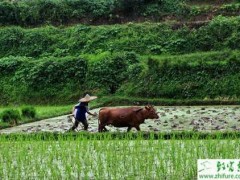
(172, 118)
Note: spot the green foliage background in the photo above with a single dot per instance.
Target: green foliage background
(202, 76)
(48, 64)
(147, 38)
(36, 12)
(62, 80)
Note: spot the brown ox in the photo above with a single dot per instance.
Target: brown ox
(125, 117)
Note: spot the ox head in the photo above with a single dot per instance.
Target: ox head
(151, 112)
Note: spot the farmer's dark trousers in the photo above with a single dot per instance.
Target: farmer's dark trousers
(84, 122)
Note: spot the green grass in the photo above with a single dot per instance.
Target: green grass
(42, 112)
(96, 57)
(108, 158)
(126, 101)
(194, 58)
(52, 111)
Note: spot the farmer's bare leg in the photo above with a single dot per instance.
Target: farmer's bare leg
(85, 123)
(75, 125)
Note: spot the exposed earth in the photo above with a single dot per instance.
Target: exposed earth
(172, 118)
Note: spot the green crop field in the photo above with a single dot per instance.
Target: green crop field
(105, 157)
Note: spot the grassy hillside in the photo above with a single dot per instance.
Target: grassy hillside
(203, 76)
(212, 75)
(146, 38)
(187, 50)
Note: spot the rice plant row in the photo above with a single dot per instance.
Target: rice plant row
(109, 158)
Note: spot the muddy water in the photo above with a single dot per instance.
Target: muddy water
(172, 118)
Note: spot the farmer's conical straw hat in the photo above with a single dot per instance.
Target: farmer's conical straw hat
(88, 98)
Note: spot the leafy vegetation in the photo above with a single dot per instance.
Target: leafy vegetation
(194, 76)
(42, 112)
(42, 80)
(37, 12)
(62, 12)
(148, 60)
(186, 77)
(11, 116)
(111, 72)
(29, 112)
(147, 38)
(195, 11)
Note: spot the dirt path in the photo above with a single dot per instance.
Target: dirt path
(177, 118)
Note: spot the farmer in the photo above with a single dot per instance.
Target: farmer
(79, 112)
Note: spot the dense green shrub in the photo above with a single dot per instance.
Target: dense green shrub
(110, 73)
(53, 79)
(58, 12)
(7, 13)
(235, 7)
(61, 80)
(147, 38)
(29, 112)
(180, 77)
(10, 64)
(52, 71)
(234, 41)
(11, 116)
(17, 41)
(10, 40)
(45, 80)
(36, 12)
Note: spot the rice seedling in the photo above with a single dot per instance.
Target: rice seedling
(103, 156)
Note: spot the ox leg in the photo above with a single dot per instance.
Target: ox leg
(129, 128)
(105, 129)
(138, 128)
(102, 128)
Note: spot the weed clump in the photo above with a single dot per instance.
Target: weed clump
(29, 112)
(11, 116)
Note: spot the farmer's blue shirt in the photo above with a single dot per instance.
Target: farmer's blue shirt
(81, 110)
